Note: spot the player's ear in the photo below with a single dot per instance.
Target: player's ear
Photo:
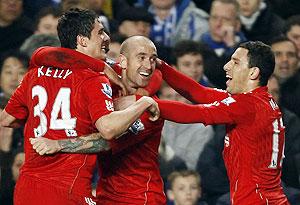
(123, 61)
(81, 40)
(254, 73)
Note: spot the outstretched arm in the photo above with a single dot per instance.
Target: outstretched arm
(187, 87)
(92, 143)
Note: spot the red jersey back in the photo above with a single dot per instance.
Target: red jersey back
(60, 104)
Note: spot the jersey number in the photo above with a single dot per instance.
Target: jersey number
(275, 145)
(61, 103)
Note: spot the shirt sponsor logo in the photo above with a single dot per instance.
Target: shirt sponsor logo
(228, 101)
(137, 126)
(107, 90)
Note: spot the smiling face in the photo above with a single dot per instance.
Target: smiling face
(138, 62)
(185, 190)
(97, 45)
(238, 72)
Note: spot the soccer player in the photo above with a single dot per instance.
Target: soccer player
(65, 103)
(254, 143)
(129, 173)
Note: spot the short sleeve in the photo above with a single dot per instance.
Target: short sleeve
(98, 95)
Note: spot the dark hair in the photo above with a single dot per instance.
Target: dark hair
(278, 39)
(186, 47)
(22, 57)
(282, 38)
(260, 55)
(45, 12)
(117, 37)
(73, 23)
(290, 22)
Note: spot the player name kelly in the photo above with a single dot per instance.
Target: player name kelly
(53, 72)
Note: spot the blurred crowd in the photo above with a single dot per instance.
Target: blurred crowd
(195, 36)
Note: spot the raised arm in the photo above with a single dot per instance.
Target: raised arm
(187, 87)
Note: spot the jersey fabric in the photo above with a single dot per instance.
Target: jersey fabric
(64, 57)
(254, 144)
(60, 104)
(130, 174)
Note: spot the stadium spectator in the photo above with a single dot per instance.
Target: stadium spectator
(259, 23)
(185, 188)
(14, 27)
(175, 21)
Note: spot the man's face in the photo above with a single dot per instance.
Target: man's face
(238, 72)
(185, 191)
(47, 25)
(191, 65)
(141, 61)
(10, 10)
(135, 28)
(286, 60)
(222, 15)
(98, 44)
(12, 73)
(248, 7)
(294, 35)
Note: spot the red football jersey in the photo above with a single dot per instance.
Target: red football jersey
(60, 104)
(130, 174)
(254, 144)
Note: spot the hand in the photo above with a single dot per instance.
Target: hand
(159, 63)
(153, 109)
(44, 145)
(122, 103)
(114, 78)
(228, 35)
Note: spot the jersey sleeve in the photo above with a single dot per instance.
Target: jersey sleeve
(189, 88)
(98, 97)
(16, 105)
(65, 58)
(154, 83)
(227, 111)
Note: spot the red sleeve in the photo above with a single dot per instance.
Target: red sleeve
(155, 83)
(228, 111)
(65, 58)
(17, 106)
(189, 88)
(98, 97)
